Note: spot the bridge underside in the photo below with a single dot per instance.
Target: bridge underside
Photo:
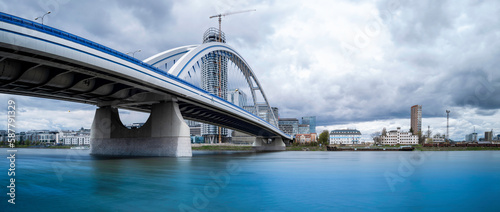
(41, 61)
(28, 73)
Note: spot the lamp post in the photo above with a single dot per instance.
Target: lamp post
(133, 53)
(447, 125)
(43, 16)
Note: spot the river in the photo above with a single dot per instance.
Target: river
(72, 180)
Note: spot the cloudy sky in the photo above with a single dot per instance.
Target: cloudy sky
(357, 64)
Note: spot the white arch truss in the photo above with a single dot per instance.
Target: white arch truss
(182, 59)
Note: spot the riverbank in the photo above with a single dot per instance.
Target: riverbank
(221, 147)
(38, 147)
(419, 148)
(238, 147)
(305, 148)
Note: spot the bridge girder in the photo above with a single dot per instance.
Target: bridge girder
(57, 65)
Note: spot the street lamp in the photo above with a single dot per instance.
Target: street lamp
(447, 124)
(133, 53)
(41, 17)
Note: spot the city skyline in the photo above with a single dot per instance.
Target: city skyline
(437, 54)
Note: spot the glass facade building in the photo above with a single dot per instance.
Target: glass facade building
(304, 129)
(214, 78)
(289, 126)
(311, 121)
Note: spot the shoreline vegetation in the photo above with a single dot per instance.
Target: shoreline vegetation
(242, 147)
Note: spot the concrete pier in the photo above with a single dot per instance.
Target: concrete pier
(269, 144)
(164, 134)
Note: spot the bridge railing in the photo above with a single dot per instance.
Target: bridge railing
(88, 43)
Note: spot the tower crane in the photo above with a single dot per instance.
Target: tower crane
(220, 40)
(226, 14)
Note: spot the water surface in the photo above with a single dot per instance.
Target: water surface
(72, 180)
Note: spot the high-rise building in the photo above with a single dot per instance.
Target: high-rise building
(238, 97)
(214, 79)
(263, 111)
(488, 135)
(311, 121)
(304, 129)
(289, 126)
(276, 113)
(416, 119)
(194, 127)
(471, 137)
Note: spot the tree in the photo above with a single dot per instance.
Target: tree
(323, 137)
(421, 139)
(376, 137)
(411, 130)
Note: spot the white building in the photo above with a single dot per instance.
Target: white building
(397, 137)
(346, 136)
(77, 140)
(80, 137)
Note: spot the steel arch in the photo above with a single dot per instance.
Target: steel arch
(187, 56)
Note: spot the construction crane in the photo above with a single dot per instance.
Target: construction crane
(220, 40)
(226, 14)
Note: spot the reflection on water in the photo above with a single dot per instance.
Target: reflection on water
(62, 180)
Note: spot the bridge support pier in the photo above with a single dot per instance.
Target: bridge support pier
(262, 144)
(164, 134)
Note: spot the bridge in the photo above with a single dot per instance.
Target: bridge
(41, 61)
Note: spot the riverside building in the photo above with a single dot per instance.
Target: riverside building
(289, 126)
(398, 137)
(306, 138)
(345, 136)
(80, 137)
(416, 119)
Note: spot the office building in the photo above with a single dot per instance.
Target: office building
(416, 119)
(194, 127)
(488, 136)
(238, 97)
(44, 136)
(471, 137)
(264, 112)
(289, 126)
(276, 113)
(311, 121)
(80, 137)
(304, 129)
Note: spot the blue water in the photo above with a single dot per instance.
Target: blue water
(72, 180)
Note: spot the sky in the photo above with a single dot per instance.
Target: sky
(351, 63)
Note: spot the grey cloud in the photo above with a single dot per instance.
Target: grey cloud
(437, 53)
